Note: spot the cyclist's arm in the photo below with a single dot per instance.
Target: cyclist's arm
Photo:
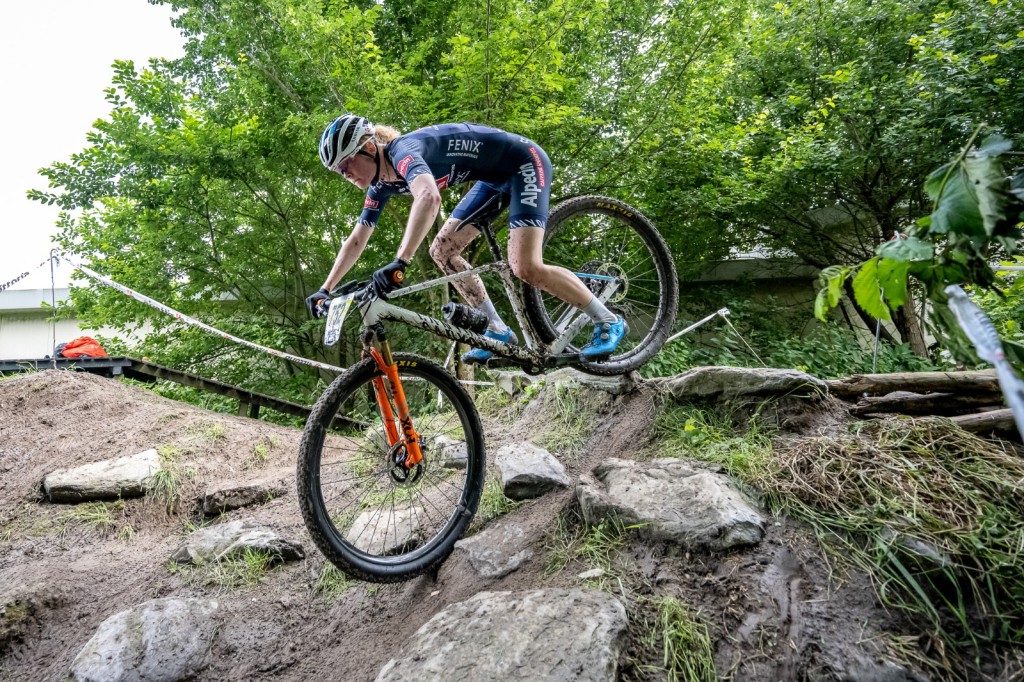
(349, 254)
(426, 200)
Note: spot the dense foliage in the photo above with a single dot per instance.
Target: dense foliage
(798, 127)
(976, 216)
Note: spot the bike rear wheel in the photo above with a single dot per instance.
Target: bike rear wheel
(370, 516)
(594, 235)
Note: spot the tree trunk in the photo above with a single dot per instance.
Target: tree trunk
(909, 326)
(983, 381)
(464, 372)
(904, 402)
(996, 420)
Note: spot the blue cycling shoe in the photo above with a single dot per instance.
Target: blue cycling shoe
(606, 337)
(479, 355)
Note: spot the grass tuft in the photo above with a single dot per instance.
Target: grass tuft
(933, 513)
(683, 641)
(572, 542)
(165, 485)
(331, 582)
(494, 403)
(242, 570)
(97, 516)
(493, 503)
(708, 434)
(574, 417)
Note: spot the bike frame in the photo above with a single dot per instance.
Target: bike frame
(534, 353)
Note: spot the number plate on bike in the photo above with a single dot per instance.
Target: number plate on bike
(335, 319)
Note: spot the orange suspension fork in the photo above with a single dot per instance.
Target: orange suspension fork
(387, 365)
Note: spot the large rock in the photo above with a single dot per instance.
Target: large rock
(497, 550)
(110, 479)
(736, 382)
(387, 531)
(528, 471)
(671, 500)
(451, 453)
(547, 635)
(513, 383)
(618, 384)
(163, 640)
(229, 540)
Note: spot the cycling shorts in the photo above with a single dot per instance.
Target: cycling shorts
(526, 192)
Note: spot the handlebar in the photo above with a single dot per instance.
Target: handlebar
(356, 288)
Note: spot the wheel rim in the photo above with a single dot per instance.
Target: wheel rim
(371, 510)
(602, 243)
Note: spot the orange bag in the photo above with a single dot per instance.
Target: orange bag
(83, 347)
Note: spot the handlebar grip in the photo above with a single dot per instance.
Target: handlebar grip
(323, 306)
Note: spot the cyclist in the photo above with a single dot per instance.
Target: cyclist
(383, 162)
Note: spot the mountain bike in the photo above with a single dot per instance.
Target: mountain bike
(387, 500)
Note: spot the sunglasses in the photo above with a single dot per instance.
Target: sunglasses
(342, 166)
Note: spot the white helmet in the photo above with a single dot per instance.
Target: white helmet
(342, 138)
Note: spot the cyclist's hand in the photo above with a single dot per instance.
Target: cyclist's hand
(389, 278)
(314, 301)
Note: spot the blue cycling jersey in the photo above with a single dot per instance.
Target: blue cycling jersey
(454, 153)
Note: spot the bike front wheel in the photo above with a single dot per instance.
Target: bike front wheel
(370, 515)
(601, 239)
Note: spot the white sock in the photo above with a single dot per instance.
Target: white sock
(494, 320)
(598, 313)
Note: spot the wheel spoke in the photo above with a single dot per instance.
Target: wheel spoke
(381, 514)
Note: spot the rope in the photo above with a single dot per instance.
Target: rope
(737, 331)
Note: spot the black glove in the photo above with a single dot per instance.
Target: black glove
(313, 301)
(389, 278)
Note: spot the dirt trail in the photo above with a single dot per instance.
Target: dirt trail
(773, 612)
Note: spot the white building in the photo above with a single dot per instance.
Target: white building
(26, 332)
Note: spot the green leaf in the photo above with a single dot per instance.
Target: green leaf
(821, 306)
(892, 276)
(991, 190)
(956, 206)
(995, 145)
(835, 286)
(831, 279)
(867, 290)
(909, 249)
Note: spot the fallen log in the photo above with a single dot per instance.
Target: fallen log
(977, 382)
(903, 402)
(996, 420)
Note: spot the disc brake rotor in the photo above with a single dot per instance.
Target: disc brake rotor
(397, 469)
(595, 267)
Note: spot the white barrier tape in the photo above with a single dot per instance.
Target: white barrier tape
(194, 322)
(11, 282)
(131, 293)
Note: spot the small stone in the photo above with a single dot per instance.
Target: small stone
(528, 471)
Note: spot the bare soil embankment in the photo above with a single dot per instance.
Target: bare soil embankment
(775, 612)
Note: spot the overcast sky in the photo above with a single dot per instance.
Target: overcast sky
(58, 56)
